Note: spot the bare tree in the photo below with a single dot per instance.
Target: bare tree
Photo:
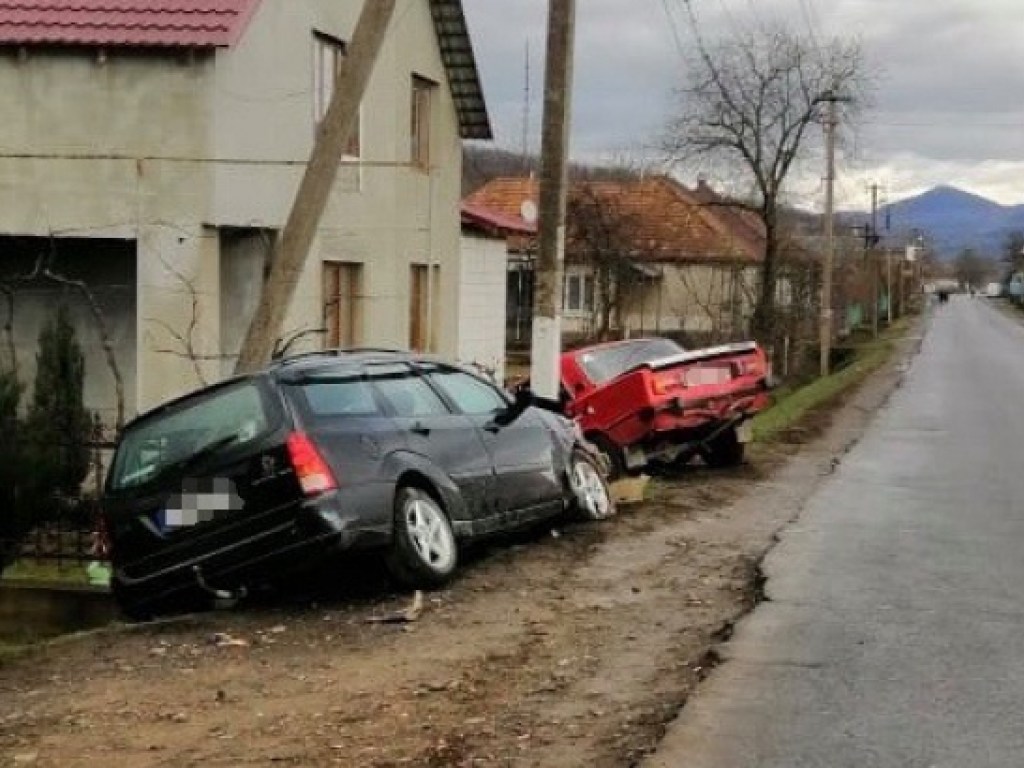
(749, 101)
(972, 270)
(604, 237)
(44, 271)
(1013, 250)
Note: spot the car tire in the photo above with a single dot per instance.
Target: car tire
(725, 450)
(591, 497)
(424, 553)
(614, 455)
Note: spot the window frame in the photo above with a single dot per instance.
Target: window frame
(432, 371)
(421, 114)
(331, 302)
(380, 372)
(587, 293)
(329, 47)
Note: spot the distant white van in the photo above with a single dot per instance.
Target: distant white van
(994, 290)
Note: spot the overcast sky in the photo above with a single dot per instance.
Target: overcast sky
(947, 105)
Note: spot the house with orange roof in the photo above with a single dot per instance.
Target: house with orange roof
(668, 259)
(150, 152)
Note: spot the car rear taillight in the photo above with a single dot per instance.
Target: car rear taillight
(313, 473)
(664, 383)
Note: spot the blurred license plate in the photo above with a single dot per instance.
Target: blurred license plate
(703, 377)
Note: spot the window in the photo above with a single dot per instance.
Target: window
(424, 305)
(605, 363)
(468, 393)
(343, 397)
(579, 293)
(419, 130)
(211, 422)
(409, 395)
(342, 311)
(328, 53)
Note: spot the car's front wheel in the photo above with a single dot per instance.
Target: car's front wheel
(592, 498)
(424, 552)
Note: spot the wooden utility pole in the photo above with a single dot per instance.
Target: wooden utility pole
(546, 344)
(871, 242)
(291, 249)
(825, 330)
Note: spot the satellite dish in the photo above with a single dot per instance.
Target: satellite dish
(528, 210)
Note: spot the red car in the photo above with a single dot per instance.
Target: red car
(650, 403)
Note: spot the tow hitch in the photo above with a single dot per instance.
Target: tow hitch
(222, 598)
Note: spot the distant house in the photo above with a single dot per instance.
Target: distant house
(691, 263)
(151, 149)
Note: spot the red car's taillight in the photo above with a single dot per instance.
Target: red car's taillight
(664, 383)
(313, 473)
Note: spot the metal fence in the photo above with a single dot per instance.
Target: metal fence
(67, 531)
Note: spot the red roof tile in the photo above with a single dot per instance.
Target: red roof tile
(125, 23)
(669, 222)
(495, 222)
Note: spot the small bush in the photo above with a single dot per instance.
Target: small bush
(57, 426)
(12, 524)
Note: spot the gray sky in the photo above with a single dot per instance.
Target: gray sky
(947, 105)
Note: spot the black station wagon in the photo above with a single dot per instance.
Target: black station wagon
(255, 477)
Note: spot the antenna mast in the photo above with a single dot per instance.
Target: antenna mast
(526, 113)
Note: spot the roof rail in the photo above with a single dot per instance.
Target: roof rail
(337, 352)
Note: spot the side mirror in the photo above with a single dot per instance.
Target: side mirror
(523, 398)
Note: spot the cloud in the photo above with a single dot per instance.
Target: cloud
(945, 110)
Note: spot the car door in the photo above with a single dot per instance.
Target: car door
(339, 408)
(522, 450)
(449, 440)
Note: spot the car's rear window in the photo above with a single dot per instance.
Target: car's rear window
(605, 363)
(228, 417)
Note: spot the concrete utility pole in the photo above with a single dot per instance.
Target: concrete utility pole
(289, 254)
(825, 330)
(546, 344)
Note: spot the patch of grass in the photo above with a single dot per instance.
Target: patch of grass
(46, 572)
(793, 404)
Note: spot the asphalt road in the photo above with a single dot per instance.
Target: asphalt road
(894, 631)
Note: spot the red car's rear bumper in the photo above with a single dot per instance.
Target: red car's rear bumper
(683, 420)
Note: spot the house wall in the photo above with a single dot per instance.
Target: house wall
(114, 148)
(707, 302)
(481, 306)
(384, 213)
(166, 149)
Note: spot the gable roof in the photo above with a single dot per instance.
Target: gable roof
(218, 24)
(135, 23)
(460, 65)
(671, 223)
(495, 223)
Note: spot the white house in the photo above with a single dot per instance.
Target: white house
(150, 151)
(483, 271)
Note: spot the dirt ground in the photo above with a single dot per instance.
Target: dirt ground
(572, 646)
